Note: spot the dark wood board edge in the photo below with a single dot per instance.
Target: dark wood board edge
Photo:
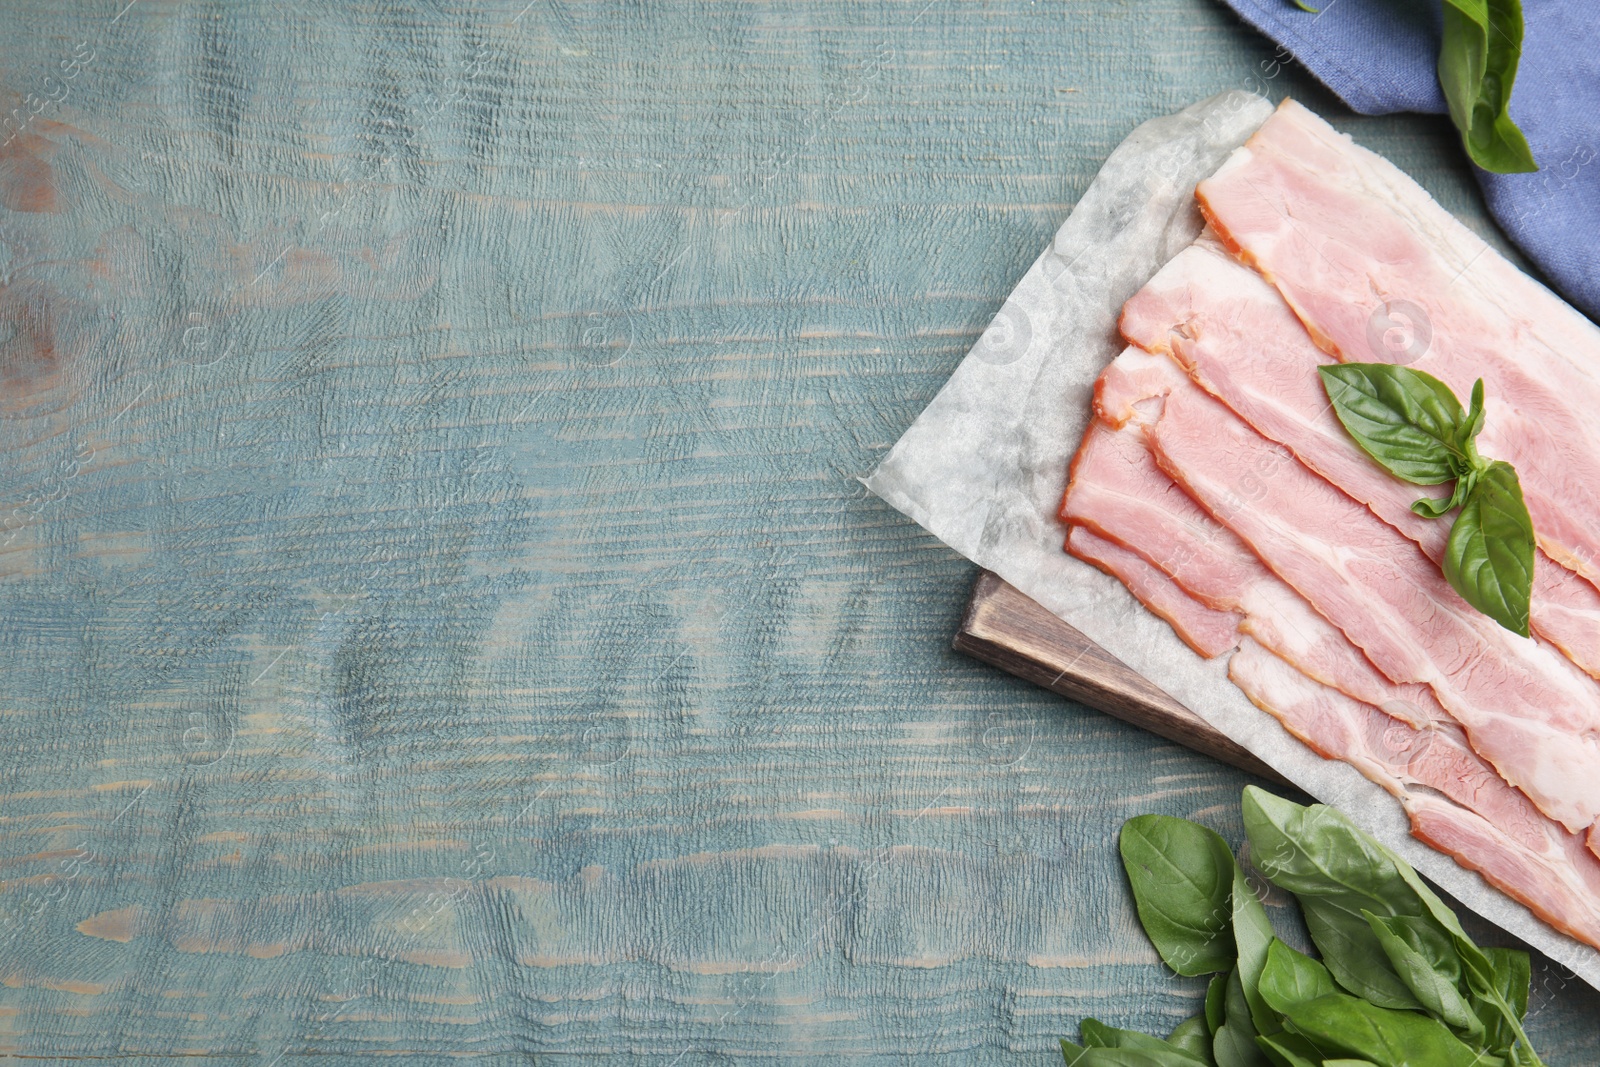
(1006, 629)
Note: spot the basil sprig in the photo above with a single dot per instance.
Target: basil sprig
(1413, 425)
(1399, 983)
(1477, 65)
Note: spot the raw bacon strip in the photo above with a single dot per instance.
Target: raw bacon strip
(1208, 632)
(1524, 711)
(1348, 239)
(1235, 336)
(1455, 801)
(1117, 491)
(1569, 613)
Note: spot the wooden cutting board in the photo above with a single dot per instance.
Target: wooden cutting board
(1005, 628)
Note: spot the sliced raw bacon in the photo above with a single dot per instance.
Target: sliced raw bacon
(1525, 710)
(1264, 513)
(1237, 338)
(1352, 243)
(1207, 631)
(1455, 801)
(1569, 613)
(1118, 491)
(1485, 824)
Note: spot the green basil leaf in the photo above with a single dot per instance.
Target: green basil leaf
(1290, 1050)
(1495, 996)
(1348, 1063)
(1413, 425)
(1252, 936)
(1503, 1009)
(1425, 959)
(1313, 849)
(1352, 954)
(1347, 1026)
(1097, 1035)
(1348, 945)
(1430, 507)
(1512, 976)
(1234, 1044)
(1156, 1054)
(1489, 556)
(1182, 878)
(1478, 57)
(1410, 422)
(1216, 1002)
(1474, 422)
(1292, 977)
(1432, 906)
(1428, 938)
(1194, 1037)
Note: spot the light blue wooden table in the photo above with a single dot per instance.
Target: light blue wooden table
(438, 615)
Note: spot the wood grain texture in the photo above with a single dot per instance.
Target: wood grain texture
(1005, 628)
(438, 614)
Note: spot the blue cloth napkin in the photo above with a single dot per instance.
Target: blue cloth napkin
(1380, 56)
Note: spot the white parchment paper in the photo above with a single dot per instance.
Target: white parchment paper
(984, 466)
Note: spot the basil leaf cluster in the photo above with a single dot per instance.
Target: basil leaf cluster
(1415, 428)
(1399, 983)
(1478, 55)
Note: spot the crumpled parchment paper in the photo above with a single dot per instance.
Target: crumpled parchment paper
(984, 466)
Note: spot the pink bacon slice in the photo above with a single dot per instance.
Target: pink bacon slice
(1208, 631)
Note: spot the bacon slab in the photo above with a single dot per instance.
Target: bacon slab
(1238, 340)
(1355, 246)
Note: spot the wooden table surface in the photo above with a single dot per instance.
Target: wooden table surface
(438, 612)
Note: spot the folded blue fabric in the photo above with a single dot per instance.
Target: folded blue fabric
(1380, 56)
